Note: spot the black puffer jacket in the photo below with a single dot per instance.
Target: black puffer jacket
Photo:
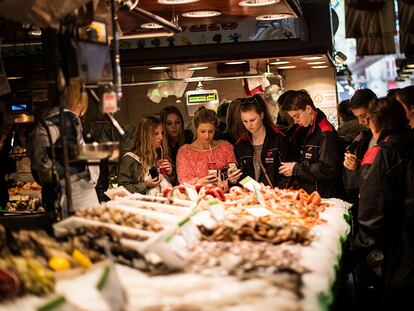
(275, 150)
(319, 158)
(385, 239)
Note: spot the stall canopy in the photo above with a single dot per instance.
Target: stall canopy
(373, 23)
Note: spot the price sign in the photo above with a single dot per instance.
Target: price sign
(258, 211)
(192, 192)
(111, 288)
(58, 303)
(109, 102)
(217, 210)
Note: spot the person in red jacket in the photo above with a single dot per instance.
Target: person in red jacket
(318, 162)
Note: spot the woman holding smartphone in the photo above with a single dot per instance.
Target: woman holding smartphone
(201, 161)
(261, 151)
(138, 170)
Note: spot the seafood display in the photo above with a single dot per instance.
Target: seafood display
(98, 242)
(119, 217)
(19, 203)
(264, 229)
(267, 249)
(243, 259)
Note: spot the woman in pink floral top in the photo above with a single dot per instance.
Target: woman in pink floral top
(204, 155)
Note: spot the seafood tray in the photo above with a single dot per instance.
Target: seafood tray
(162, 200)
(142, 240)
(163, 218)
(152, 206)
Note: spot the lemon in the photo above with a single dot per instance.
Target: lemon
(59, 263)
(81, 259)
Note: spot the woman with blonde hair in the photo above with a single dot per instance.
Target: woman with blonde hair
(200, 161)
(147, 168)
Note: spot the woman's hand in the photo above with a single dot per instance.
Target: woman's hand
(351, 162)
(165, 166)
(234, 175)
(154, 182)
(209, 179)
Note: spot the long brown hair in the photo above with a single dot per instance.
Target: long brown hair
(234, 123)
(163, 116)
(145, 147)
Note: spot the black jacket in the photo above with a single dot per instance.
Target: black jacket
(319, 158)
(275, 150)
(385, 239)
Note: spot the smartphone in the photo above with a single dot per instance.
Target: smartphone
(153, 172)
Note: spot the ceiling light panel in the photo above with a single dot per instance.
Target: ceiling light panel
(258, 2)
(286, 67)
(272, 17)
(312, 57)
(235, 63)
(176, 1)
(201, 14)
(197, 68)
(151, 26)
(279, 62)
(320, 67)
(159, 68)
(316, 63)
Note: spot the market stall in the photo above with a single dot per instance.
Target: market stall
(262, 249)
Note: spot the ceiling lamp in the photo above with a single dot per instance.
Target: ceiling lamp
(159, 68)
(197, 68)
(316, 63)
(286, 67)
(258, 2)
(311, 57)
(201, 14)
(176, 1)
(236, 62)
(279, 62)
(151, 26)
(272, 17)
(320, 67)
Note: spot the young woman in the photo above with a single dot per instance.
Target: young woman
(138, 169)
(261, 151)
(175, 134)
(200, 161)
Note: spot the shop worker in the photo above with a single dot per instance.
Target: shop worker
(47, 132)
(262, 149)
(318, 165)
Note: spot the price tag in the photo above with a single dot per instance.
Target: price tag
(178, 245)
(258, 211)
(259, 195)
(109, 102)
(189, 230)
(191, 191)
(249, 183)
(217, 210)
(111, 288)
(204, 219)
(58, 303)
